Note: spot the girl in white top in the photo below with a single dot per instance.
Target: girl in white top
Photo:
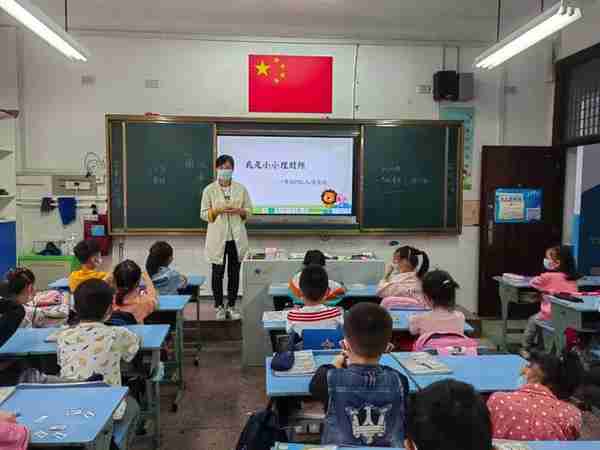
(402, 279)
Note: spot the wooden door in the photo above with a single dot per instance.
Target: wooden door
(517, 247)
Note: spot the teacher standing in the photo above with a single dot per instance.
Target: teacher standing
(225, 206)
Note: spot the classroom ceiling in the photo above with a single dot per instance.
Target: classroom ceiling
(438, 20)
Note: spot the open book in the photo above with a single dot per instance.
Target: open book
(501, 444)
(304, 364)
(422, 363)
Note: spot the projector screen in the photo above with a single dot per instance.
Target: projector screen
(293, 175)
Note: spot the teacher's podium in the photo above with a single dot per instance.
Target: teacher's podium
(259, 274)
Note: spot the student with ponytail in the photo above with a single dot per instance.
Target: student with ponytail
(129, 296)
(539, 410)
(440, 291)
(402, 279)
(167, 281)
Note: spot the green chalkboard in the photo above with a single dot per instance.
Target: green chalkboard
(408, 174)
(158, 175)
(410, 178)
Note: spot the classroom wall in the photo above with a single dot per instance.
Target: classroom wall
(62, 120)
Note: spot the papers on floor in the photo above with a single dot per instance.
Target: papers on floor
(274, 316)
(304, 364)
(422, 363)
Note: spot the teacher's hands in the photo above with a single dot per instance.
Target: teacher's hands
(235, 212)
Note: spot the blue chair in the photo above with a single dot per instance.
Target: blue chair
(121, 319)
(321, 339)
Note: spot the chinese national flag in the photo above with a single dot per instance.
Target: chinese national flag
(290, 84)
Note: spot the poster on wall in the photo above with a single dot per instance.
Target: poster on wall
(467, 116)
(518, 205)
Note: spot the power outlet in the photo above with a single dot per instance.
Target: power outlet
(73, 185)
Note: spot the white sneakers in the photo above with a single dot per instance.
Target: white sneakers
(221, 313)
(233, 313)
(230, 313)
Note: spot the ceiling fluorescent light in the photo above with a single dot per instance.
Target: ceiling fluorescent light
(33, 18)
(546, 24)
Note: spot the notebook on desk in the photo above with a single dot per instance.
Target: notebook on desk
(422, 363)
(304, 364)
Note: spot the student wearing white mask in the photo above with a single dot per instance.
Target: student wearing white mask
(225, 206)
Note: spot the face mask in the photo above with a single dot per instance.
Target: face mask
(549, 264)
(224, 174)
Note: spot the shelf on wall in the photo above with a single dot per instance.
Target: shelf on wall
(8, 196)
(5, 152)
(7, 219)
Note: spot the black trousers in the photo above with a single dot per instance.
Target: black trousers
(233, 276)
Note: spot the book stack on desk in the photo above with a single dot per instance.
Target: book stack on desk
(515, 277)
(304, 364)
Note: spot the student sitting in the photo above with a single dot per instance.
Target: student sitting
(539, 411)
(315, 258)
(365, 402)
(130, 298)
(440, 290)
(88, 254)
(401, 277)
(17, 290)
(42, 309)
(167, 281)
(314, 314)
(562, 276)
(92, 348)
(448, 415)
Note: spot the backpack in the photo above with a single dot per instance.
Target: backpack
(261, 431)
(447, 344)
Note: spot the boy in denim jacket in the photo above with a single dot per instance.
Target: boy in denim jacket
(365, 402)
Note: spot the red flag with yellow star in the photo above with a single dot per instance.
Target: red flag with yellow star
(290, 84)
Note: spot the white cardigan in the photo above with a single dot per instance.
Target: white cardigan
(218, 227)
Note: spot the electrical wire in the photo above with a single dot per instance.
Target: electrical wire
(498, 21)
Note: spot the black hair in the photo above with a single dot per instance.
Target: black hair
(160, 255)
(440, 288)
(562, 375)
(314, 282)
(314, 257)
(223, 159)
(412, 254)
(127, 276)
(449, 415)
(93, 298)
(567, 265)
(18, 279)
(368, 328)
(590, 388)
(85, 250)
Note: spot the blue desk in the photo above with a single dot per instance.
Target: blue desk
(487, 373)
(298, 386)
(567, 314)
(534, 445)
(30, 342)
(400, 324)
(352, 291)
(34, 401)
(194, 281)
(175, 304)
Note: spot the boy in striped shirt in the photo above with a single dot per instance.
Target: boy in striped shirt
(314, 284)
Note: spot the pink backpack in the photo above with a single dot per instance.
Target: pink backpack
(404, 303)
(447, 344)
(13, 436)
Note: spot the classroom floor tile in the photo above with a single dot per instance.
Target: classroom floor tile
(219, 396)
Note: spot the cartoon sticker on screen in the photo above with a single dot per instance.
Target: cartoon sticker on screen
(329, 198)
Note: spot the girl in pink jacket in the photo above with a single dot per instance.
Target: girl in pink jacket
(561, 276)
